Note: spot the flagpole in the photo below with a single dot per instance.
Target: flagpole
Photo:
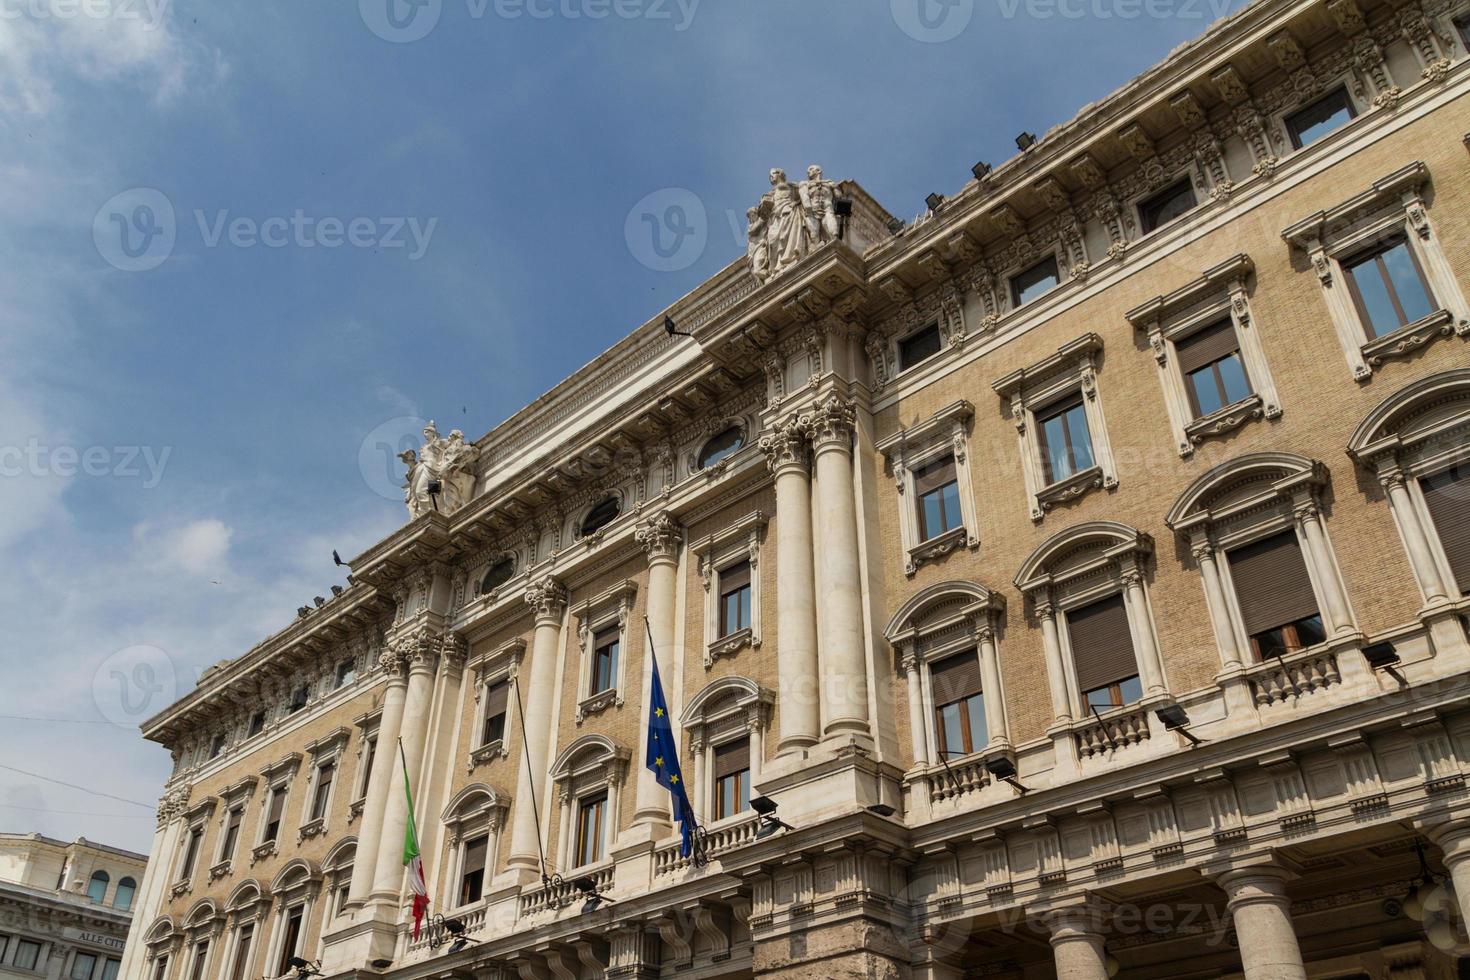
(414, 824)
(515, 683)
(653, 652)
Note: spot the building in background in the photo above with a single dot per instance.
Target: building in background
(65, 909)
(1080, 572)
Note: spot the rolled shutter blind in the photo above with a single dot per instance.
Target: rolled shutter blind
(1448, 497)
(1207, 346)
(496, 699)
(955, 677)
(1271, 583)
(735, 577)
(605, 637)
(934, 476)
(474, 855)
(1102, 645)
(278, 805)
(731, 758)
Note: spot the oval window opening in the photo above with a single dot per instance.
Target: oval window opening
(601, 516)
(722, 446)
(499, 574)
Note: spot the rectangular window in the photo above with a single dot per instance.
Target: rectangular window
(293, 937)
(27, 954)
(298, 699)
(732, 778)
(496, 699)
(201, 957)
(110, 968)
(1388, 287)
(1274, 592)
(243, 942)
(346, 674)
(5, 943)
(918, 347)
(216, 746)
(937, 494)
(959, 707)
(1102, 652)
(1213, 371)
(191, 853)
(232, 833)
(1309, 124)
(1066, 443)
(735, 599)
(325, 774)
(1166, 205)
(472, 878)
(369, 757)
(590, 814)
(160, 968)
(1462, 27)
(605, 660)
(82, 966)
(257, 724)
(1447, 495)
(1036, 281)
(273, 814)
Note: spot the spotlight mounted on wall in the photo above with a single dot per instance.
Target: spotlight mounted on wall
(934, 201)
(1176, 719)
(380, 964)
(981, 170)
(1025, 141)
(587, 885)
(1002, 768)
(882, 810)
(1385, 657)
(304, 967)
(842, 208)
(769, 822)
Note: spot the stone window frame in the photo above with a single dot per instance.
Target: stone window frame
(1198, 186)
(501, 664)
(461, 823)
(336, 874)
(736, 544)
(717, 716)
(231, 797)
(195, 818)
(297, 885)
(202, 924)
(248, 904)
(718, 425)
(613, 605)
(1026, 262)
(1072, 369)
(330, 748)
(945, 433)
(1347, 82)
(936, 623)
(1393, 205)
(277, 775)
(1244, 500)
(1219, 293)
(591, 765)
(1419, 431)
(367, 727)
(163, 942)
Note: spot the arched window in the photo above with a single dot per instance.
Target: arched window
(97, 888)
(589, 775)
(123, 897)
(727, 724)
(474, 820)
(498, 575)
(601, 516)
(722, 446)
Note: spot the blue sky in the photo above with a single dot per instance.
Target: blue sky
(334, 231)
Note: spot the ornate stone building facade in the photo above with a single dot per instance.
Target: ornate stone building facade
(1081, 571)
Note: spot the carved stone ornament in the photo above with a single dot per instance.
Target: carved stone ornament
(785, 445)
(173, 804)
(548, 599)
(833, 421)
(660, 536)
(439, 476)
(790, 222)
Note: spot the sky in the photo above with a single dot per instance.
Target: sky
(249, 246)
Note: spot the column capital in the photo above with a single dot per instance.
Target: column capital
(784, 444)
(660, 537)
(548, 600)
(173, 804)
(1452, 837)
(1255, 884)
(833, 421)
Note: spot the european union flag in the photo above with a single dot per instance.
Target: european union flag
(663, 757)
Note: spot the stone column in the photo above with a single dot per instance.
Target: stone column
(548, 598)
(614, 805)
(997, 731)
(1215, 600)
(918, 730)
(796, 595)
(1309, 519)
(421, 649)
(662, 538)
(566, 848)
(844, 663)
(1056, 670)
(757, 745)
(1257, 903)
(1150, 669)
(1416, 541)
(1077, 944)
(1454, 840)
(152, 891)
(380, 779)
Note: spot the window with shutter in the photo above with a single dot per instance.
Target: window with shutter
(1447, 495)
(1277, 605)
(959, 706)
(496, 699)
(937, 493)
(325, 773)
(1211, 365)
(590, 815)
(1066, 443)
(1102, 652)
(735, 599)
(243, 943)
(605, 660)
(472, 878)
(732, 778)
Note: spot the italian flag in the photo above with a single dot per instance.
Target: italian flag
(412, 859)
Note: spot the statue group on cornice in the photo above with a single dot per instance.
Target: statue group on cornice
(438, 474)
(790, 221)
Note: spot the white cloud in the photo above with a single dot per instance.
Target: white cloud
(199, 546)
